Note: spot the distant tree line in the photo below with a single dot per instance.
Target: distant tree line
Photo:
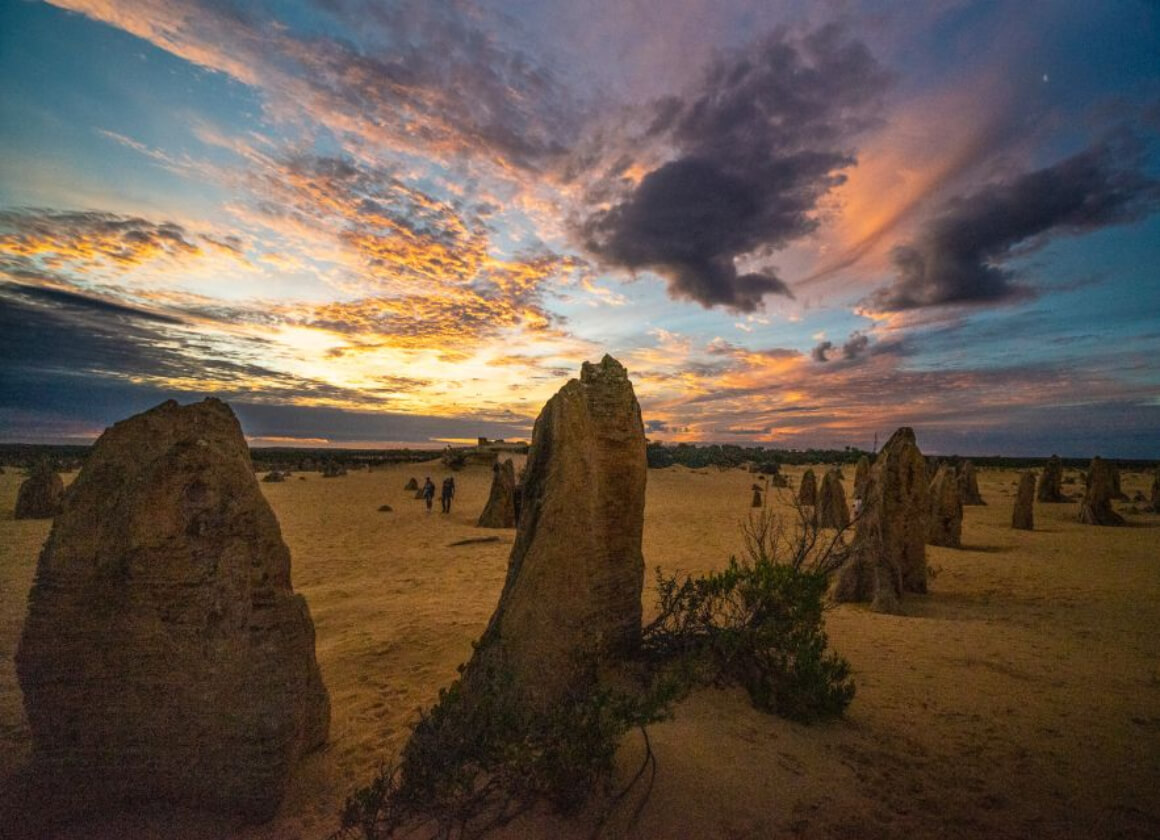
(66, 458)
(731, 455)
(285, 458)
(58, 458)
(293, 459)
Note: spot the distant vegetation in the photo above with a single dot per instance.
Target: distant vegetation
(310, 460)
(285, 458)
(59, 458)
(69, 458)
(730, 455)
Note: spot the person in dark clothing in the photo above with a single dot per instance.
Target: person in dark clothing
(429, 493)
(448, 493)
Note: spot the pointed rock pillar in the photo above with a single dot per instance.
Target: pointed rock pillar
(888, 554)
(576, 571)
(1023, 514)
(945, 525)
(1050, 487)
(1096, 507)
(500, 510)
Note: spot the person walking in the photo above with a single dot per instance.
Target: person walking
(448, 493)
(429, 493)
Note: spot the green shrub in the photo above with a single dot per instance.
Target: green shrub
(475, 763)
(758, 625)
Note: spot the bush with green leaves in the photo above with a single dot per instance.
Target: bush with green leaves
(476, 762)
(758, 626)
(759, 622)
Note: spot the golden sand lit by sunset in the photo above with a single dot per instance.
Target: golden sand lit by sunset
(1021, 698)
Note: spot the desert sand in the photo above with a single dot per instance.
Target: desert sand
(1020, 698)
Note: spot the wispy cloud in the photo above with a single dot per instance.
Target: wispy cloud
(959, 255)
(424, 76)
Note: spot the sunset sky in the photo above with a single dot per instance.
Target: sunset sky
(796, 223)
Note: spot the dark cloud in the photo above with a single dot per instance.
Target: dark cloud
(326, 169)
(765, 136)
(856, 348)
(45, 332)
(341, 425)
(958, 256)
(779, 353)
(654, 426)
(53, 340)
(688, 220)
(37, 296)
(856, 345)
(70, 407)
(721, 347)
(795, 409)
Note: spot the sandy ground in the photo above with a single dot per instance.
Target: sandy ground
(1021, 698)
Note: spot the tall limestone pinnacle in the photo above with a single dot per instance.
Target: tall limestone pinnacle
(576, 570)
(165, 655)
(945, 523)
(1051, 481)
(500, 511)
(1023, 511)
(40, 494)
(831, 510)
(888, 554)
(1096, 506)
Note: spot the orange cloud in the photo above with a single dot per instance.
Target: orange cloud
(927, 148)
(93, 238)
(784, 399)
(448, 317)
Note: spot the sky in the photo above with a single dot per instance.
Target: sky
(797, 224)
